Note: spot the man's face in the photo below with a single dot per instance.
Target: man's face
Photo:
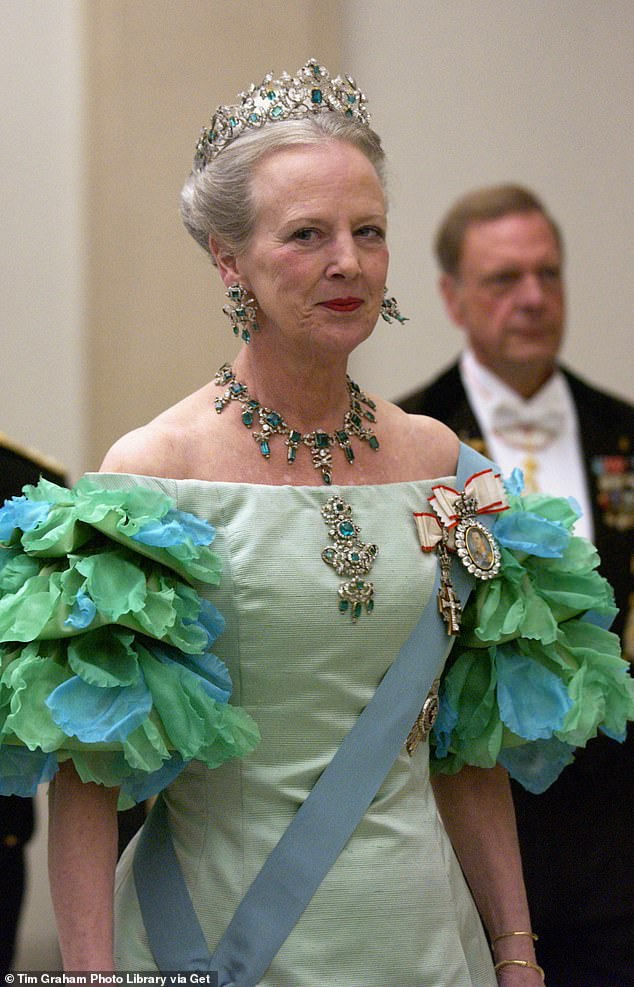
(509, 295)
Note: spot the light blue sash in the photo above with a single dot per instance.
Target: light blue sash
(319, 830)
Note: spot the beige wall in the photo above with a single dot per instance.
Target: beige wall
(157, 70)
(479, 91)
(41, 272)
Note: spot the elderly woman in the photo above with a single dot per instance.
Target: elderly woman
(319, 857)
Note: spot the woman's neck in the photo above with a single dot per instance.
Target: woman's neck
(309, 394)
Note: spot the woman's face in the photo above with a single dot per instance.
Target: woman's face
(317, 258)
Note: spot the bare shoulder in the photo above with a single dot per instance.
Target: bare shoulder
(436, 442)
(147, 451)
(426, 442)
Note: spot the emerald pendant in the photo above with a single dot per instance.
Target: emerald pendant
(349, 557)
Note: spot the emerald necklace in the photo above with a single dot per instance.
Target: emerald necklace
(269, 423)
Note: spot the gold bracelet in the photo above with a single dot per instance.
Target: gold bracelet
(525, 963)
(507, 935)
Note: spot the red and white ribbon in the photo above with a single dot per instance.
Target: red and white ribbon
(485, 488)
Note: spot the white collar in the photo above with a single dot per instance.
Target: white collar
(502, 411)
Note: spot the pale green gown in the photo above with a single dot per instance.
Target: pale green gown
(394, 909)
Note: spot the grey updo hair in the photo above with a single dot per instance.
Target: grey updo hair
(217, 201)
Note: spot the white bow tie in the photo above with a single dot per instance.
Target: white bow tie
(525, 427)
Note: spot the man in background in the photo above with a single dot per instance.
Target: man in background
(501, 260)
(18, 466)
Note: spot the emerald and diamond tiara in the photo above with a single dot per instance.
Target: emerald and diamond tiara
(312, 90)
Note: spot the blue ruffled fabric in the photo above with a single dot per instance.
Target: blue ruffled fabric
(105, 644)
(535, 672)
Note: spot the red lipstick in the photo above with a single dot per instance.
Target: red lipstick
(343, 304)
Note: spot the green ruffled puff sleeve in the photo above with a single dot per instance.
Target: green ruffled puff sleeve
(535, 672)
(105, 644)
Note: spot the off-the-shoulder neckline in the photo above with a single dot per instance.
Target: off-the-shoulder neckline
(338, 487)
